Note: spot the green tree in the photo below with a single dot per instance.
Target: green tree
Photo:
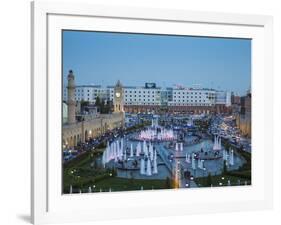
(102, 107)
(97, 102)
(84, 103)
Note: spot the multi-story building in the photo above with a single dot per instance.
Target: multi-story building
(223, 101)
(235, 103)
(150, 97)
(139, 95)
(92, 124)
(88, 93)
(192, 97)
(243, 119)
(235, 99)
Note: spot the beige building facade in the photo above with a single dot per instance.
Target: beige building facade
(243, 119)
(243, 122)
(75, 131)
(84, 130)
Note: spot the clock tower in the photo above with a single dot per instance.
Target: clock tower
(118, 99)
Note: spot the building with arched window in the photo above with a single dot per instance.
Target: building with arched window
(88, 126)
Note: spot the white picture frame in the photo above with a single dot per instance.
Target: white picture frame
(47, 203)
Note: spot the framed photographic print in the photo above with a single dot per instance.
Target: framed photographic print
(149, 112)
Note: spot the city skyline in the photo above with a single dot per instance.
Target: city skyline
(142, 85)
(102, 58)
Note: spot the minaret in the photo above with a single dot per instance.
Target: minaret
(118, 100)
(71, 98)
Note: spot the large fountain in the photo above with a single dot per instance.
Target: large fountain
(154, 122)
(179, 147)
(148, 168)
(228, 157)
(137, 152)
(113, 151)
(160, 134)
(217, 143)
(144, 153)
(151, 164)
(156, 133)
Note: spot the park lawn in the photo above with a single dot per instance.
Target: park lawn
(223, 179)
(101, 179)
(83, 159)
(245, 174)
(121, 184)
(83, 173)
(124, 184)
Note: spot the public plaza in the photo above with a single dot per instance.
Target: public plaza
(151, 146)
(148, 112)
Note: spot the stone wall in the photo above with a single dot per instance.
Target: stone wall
(82, 131)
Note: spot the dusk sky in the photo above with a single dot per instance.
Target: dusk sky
(102, 58)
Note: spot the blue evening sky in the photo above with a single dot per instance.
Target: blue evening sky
(102, 58)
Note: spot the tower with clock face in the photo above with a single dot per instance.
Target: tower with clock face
(118, 99)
